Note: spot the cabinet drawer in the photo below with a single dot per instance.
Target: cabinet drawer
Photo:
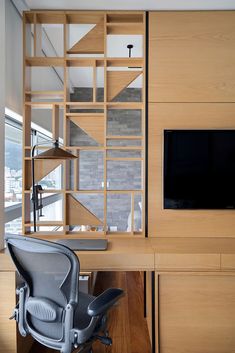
(187, 261)
(227, 261)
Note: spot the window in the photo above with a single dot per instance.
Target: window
(13, 174)
(13, 163)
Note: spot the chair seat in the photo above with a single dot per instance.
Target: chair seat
(82, 319)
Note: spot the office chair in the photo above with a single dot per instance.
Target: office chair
(51, 309)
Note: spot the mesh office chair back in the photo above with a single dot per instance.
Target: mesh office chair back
(51, 274)
(51, 308)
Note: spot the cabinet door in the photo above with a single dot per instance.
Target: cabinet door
(192, 56)
(196, 313)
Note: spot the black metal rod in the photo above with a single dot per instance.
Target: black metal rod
(34, 191)
(153, 312)
(146, 119)
(145, 295)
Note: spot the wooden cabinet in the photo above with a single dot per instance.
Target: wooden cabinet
(192, 56)
(196, 313)
(184, 223)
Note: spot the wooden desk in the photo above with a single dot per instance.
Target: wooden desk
(190, 286)
(122, 255)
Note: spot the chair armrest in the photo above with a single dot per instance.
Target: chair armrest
(104, 301)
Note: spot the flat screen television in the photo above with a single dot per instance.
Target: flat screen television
(199, 169)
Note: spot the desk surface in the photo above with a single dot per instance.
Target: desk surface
(154, 254)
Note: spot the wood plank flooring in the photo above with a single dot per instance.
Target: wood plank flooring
(127, 325)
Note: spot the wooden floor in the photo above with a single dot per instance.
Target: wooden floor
(127, 325)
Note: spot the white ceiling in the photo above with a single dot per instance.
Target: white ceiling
(132, 4)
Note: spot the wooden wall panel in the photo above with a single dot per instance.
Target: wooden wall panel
(196, 313)
(192, 56)
(184, 223)
(8, 301)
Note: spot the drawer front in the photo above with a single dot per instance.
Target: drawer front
(228, 262)
(187, 261)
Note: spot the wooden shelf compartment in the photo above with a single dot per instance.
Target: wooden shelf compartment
(44, 61)
(92, 42)
(86, 115)
(133, 148)
(83, 17)
(100, 62)
(44, 105)
(125, 105)
(84, 62)
(45, 223)
(50, 17)
(84, 105)
(125, 62)
(117, 81)
(124, 159)
(123, 137)
(125, 17)
(91, 148)
(77, 191)
(125, 28)
(91, 123)
(46, 191)
(45, 94)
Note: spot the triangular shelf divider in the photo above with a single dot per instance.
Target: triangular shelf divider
(42, 167)
(93, 125)
(92, 42)
(77, 214)
(119, 80)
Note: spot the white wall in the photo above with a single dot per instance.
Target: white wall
(42, 78)
(2, 114)
(14, 59)
(132, 4)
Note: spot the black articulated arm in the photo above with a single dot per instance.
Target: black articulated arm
(104, 301)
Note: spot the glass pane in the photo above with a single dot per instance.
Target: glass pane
(118, 212)
(14, 226)
(124, 175)
(13, 165)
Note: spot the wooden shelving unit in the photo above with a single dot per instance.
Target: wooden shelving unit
(90, 51)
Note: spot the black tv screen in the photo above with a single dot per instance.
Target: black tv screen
(199, 169)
